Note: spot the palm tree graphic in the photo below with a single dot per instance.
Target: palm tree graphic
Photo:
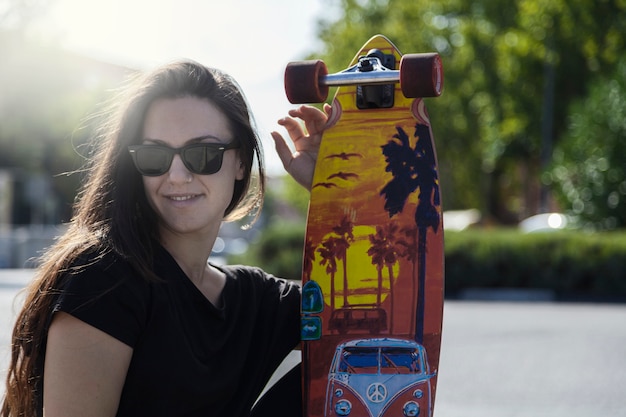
(414, 169)
(345, 236)
(409, 251)
(309, 258)
(384, 252)
(328, 255)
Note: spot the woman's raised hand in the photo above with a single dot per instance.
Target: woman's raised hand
(300, 163)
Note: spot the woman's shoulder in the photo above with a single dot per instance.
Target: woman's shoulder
(242, 270)
(98, 271)
(245, 275)
(104, 291)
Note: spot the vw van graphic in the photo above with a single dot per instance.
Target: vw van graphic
(379, 378)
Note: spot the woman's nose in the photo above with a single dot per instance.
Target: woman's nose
(178, 172)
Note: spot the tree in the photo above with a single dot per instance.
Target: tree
(46, 96)
(504, 61)
(590, 168)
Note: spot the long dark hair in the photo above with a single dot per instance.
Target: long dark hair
(111, 213)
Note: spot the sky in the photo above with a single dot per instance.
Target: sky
(253, 40)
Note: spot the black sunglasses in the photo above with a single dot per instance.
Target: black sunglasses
(199, 158)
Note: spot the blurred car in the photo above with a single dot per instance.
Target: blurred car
(544, 222)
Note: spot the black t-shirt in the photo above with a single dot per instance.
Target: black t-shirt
(189, 357)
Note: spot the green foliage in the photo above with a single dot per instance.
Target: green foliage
(590, 163)
(567, 262)
(503, 62)
(287, 191)
(278, 251)
(46, 97)
(570, 262)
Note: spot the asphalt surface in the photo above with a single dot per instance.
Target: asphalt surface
(498, 359)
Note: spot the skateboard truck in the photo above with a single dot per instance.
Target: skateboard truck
(419, 75)
(378, 95)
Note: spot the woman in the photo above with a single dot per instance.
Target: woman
(126, 317)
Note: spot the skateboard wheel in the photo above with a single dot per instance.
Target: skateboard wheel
(421, 75)
(302, 82)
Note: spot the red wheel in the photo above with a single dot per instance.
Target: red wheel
(302, 82)
(421, 75)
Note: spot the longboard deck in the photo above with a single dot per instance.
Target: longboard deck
(373, 261)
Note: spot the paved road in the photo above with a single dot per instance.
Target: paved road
(499, 359)
(11, 281)
(544, 359)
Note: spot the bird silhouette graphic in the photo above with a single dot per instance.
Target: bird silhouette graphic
(344, 176)
(326, 185)
(344, 156)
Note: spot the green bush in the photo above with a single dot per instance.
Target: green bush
(566, 262)
(278, 251)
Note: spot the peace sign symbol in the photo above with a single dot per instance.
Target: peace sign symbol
(376, 392)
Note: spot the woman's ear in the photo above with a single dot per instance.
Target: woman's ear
(241, 172)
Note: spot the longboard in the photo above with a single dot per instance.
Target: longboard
(373, 270)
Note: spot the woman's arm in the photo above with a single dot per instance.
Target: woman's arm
(84, 369)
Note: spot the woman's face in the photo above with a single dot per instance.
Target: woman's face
(185, 202)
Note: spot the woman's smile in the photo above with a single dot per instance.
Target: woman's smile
(186, 197)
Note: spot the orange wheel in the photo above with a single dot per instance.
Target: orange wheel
(421, 75)
(302, 82)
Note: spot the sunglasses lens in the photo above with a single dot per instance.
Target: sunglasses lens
(202, 158)
(153, 161)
